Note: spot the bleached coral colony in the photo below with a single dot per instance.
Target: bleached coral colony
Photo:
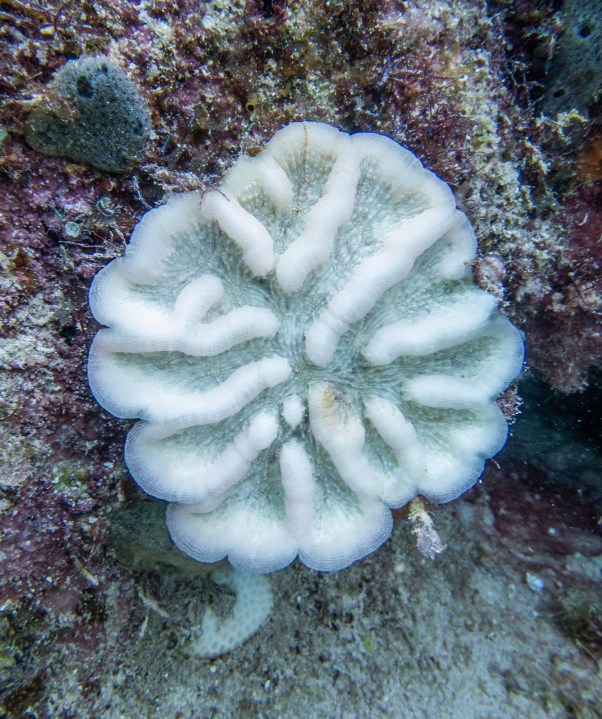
(306, 349)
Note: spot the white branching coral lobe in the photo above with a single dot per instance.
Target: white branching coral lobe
(305, 349)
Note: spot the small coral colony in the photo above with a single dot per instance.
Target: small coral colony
(305, 349)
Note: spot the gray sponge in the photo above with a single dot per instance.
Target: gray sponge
(93, 113)
(575, 70)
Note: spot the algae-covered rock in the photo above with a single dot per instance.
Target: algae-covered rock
(139, 538)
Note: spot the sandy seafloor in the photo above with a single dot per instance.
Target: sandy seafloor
(483, 631)
(395, 635)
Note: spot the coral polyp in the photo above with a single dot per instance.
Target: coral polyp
(306, 349)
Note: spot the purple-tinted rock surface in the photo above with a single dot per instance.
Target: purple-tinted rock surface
(459, 83)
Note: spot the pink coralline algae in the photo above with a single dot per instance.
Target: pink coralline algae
(220, 78)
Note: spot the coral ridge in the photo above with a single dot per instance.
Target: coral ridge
(305, 349)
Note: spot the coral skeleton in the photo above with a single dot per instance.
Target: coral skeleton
(306, 349)
(252, 607)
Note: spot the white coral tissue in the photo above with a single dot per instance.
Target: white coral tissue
(305, 348)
